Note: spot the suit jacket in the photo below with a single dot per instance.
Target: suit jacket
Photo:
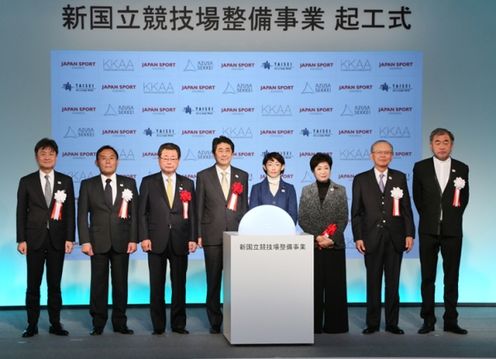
(429, 200)
(372, 211)
(33, 213)
(213, 215)
(314, 217)
(105, 230)
(285, 197)
(159, 222)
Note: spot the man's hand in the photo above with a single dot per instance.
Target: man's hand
(192, 247)
(68, 247)
(131, 247)
(408, 243)
(87, 249)
(146, 245)
(200, 242)
(360, 246)
(22, 248)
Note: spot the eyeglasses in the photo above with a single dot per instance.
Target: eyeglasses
(167, 159)
(383, 152)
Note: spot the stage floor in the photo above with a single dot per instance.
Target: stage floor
(479, 321)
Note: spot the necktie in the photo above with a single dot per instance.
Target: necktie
(48, 191)
(108, 192)
(381, 182)
(224, 184)
(169, 191)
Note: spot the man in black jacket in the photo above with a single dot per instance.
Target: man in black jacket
(167, 232)
(45, 232)
(440, 193)
(382, 224)
(108, 237)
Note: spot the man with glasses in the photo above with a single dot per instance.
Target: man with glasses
(167, 232)
(45, 233)
(382, 224)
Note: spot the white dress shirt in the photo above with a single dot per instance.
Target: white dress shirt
(442, 169)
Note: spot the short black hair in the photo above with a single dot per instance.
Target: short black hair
(441, 131)
(106, 147)
(381, 141)
(46, 143)
(320, 157)
(221, 139)
(169, 146)
(273, 156)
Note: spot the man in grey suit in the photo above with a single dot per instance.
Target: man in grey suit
(382, 224)
(167, 232)
(111, 201)
(222, 200)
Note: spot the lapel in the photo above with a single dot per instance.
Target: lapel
(179, 187)
(234, 178)
(159, 182)
(314, 195)
(119, 189)
(37, 188)
(432, 172)
(97, 184)
(57, 186)
(374, 184)
(266, 189)
(391, 178)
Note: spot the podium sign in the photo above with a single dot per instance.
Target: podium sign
(268, 289)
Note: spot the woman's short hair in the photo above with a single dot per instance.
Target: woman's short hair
(273, 156)
(320, 157)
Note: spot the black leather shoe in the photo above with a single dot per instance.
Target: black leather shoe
(180, 331)
(455, 328)
(96, 331)
(215, 330)
(124, 330)
(58, 330)
(30, 331)
(394, 329)
(370, 330)
(158, 332)
(426, 328)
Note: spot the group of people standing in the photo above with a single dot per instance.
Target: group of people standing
(170, 219)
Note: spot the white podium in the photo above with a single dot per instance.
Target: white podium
(268, 289)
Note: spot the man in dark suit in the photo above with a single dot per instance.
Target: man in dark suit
(222, 200)
(45, 232)
(167, 232)
(382, 224)
(109, 237)
(440, 193)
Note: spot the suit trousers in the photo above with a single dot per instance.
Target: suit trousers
(213, 268)
(36, 260)
(451, 248)
(385, 259)
(157, 265)
(330, 299)
(119, 263)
